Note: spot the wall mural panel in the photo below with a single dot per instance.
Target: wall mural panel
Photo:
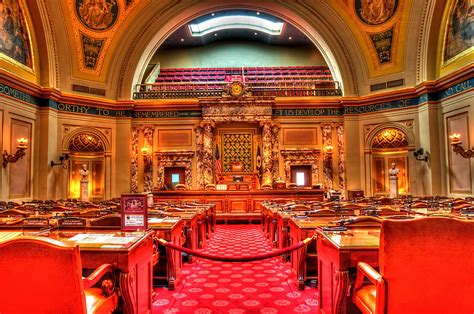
(15, 41)
(460, 30)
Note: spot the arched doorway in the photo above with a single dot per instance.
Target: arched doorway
(389, 145)
(89, 149)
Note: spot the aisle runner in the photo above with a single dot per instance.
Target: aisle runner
(255, 287)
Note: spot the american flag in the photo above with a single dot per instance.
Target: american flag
(218, 161)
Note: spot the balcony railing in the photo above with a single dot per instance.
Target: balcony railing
(275, 88)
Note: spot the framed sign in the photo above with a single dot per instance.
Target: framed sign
(134, 212)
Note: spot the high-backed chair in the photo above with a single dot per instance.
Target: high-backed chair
(42, 275)
(426, 266)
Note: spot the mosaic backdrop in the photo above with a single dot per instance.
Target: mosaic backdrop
(14, 37)
(237, 147)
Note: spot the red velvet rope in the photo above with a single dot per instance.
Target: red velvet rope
(235, 259)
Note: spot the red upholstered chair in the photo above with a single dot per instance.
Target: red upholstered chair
(426, 266)
(42, 275)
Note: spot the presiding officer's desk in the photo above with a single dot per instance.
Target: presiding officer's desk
(130, 252)
(237, 204)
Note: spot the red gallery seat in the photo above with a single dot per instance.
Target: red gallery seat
(42, 275)
(426, 266)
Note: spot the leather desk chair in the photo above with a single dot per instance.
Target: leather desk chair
(426, 266)
(42, 275)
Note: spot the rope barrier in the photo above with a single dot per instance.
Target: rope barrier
(236, 259)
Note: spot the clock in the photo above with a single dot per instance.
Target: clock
(236, 89)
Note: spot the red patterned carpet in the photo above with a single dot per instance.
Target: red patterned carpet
(218, 287)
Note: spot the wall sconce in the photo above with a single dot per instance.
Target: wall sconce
(20, 152)
(421, 155)
(145, 151)
(61, 163)
(328, 149)
(457, 148)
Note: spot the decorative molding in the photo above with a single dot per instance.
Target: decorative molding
(174, 159)
(382, 43)
(134, 161)
(246, 109)
(148, 160)
(341, 162)
(301, 156)
(326, 131)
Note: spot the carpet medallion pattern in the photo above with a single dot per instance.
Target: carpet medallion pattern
(235, 288)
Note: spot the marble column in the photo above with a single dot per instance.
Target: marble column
(148, 159)
(134, 161)
(341, 162)
(327, 158)
(207, 157)
(275, 151)
(267, 164)
(199, 156)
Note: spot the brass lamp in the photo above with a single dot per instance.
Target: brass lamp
(329, 149)
(20, 152)
(145, 151)
(457, 148)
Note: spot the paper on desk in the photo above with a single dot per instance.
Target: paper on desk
(101, 238)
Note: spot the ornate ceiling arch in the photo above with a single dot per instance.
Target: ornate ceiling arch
(319, 26)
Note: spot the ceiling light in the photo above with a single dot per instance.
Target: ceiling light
(290, 38)
(213, 14)
(255, 33)
(255, 23)
(182, 39)
(215, 34)
(258, 13)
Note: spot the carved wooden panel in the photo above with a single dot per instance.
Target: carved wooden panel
(174, 138)
(300, 136)
(459, 167)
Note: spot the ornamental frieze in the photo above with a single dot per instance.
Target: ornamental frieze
(247, 109)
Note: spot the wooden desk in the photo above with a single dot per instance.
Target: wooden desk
(132, 258)
(237, 202)
(305, 260)
(191, 229)
(338, 254)
(170, 265)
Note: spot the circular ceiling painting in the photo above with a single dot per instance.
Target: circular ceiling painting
(375, 12)
(97, 14)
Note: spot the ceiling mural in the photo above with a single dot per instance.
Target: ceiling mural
(95, 23)
(383, 45)
(459, 37)
(380, 24)
(15, 42)
(375, 12)
(97, 15)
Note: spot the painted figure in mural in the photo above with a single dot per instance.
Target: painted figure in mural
(460, 33)
(14, 42)
(84, 173)
(97, 14)
(376, 11)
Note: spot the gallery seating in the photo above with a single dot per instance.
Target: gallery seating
(42, 275)
(426, 266)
